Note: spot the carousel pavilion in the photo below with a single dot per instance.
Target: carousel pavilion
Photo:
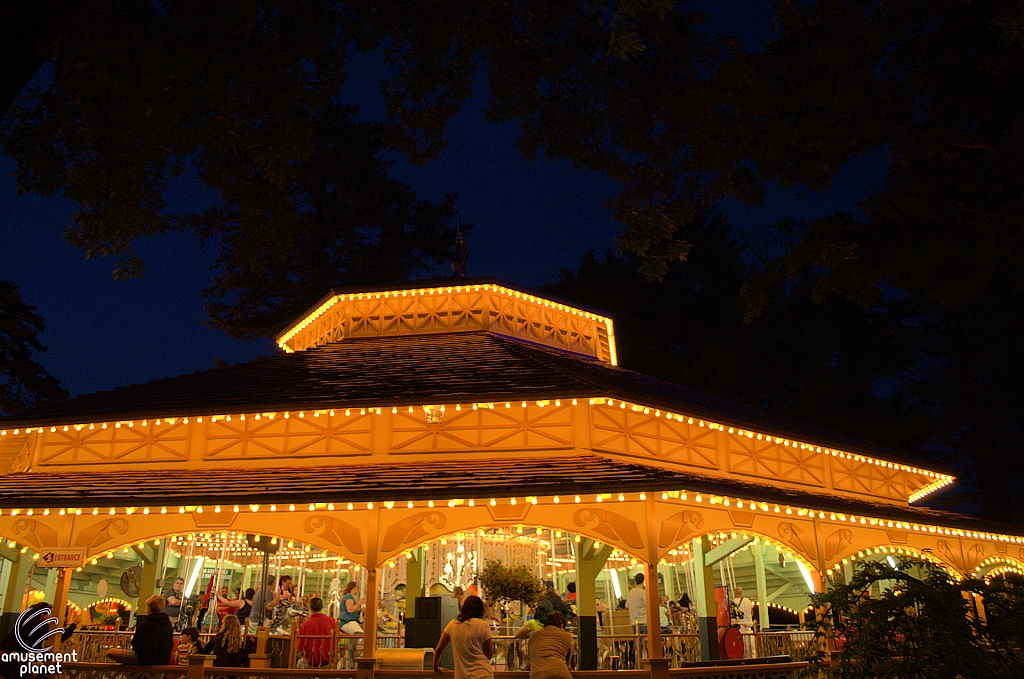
(472, 413)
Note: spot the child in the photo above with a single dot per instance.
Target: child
(188, 644)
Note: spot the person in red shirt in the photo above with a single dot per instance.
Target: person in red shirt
(315, 635)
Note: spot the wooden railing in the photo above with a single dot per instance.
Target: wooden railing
(615, 652)
(778, 670)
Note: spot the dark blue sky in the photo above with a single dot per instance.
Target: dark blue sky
(531, 219)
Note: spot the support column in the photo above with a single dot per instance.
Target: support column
(20, 571)
(60, 600)
(372, 586)
(147, 584)
(152, 558)
(413, 581)
(50, 588)
(704, 599)
(762, 586)
(589, 563)
(654, 650)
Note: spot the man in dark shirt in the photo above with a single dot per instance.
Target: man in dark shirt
(173, 598)
(551, 602)
(153, 640)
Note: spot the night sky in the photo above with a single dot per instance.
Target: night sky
(531, 219)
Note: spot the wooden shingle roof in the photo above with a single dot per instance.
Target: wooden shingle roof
(475, 367)
(420, 481)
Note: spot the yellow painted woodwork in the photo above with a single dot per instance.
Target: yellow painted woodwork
(360, 435)
(452, 309)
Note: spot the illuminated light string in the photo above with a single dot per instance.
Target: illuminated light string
(999, 559)
(423, 292)
(780, 607)
(721, 537)
(938, 480)
(890, 550)
(235, 545)
(1003, 570)
(111, 600)
(682, 496)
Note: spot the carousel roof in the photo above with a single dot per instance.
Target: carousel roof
(402, 482)
(468, 367)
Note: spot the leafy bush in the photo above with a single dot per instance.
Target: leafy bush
(922, 626)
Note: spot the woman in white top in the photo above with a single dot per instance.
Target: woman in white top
(472, 645)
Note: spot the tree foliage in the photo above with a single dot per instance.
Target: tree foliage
(817, 362)
(642, 90)
(340, 222)
(923, 625)
(510, 583)
(23, 382)
(936, 84)
(238, 97)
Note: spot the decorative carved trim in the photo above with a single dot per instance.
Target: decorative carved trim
(139, 443)
(897, 537)
(611, 525)
(741, 518)
(100, 533)
(802, 541)
(335, 531)
(504, 513)
(35, 533)
(210, 520)
(412, 529)
(963, 560)
(837, 541)
(679, 527)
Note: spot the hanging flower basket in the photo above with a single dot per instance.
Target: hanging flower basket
(508, 584)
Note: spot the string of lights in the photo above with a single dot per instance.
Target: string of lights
(677, 497)
(937, 480)
(283, 339)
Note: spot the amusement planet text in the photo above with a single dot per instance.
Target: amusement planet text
(39, 663)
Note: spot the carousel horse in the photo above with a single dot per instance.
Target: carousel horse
(334, 598)
(386, 623)
(284, 613)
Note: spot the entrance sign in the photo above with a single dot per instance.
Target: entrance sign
(64, 557)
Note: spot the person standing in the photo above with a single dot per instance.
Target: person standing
(742, 613)
(153, 640)
(551, 602)
(551, 649)
(246, 608)
(315, 635)
(173, 599)
(263, 602)
(240, 606)
(472, 644)
(636, 602)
